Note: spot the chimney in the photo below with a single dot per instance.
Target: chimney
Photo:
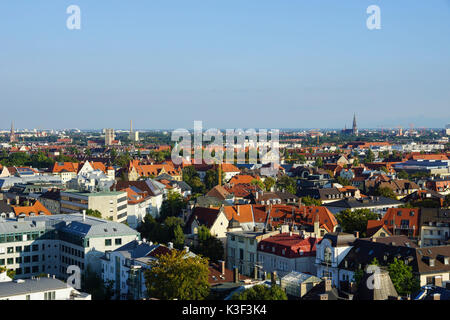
(84, 215)
(222, 266)
(235, 275)
(327, 284)
(323, 296)
(437, 296)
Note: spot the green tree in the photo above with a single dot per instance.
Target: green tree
(261, 292)
(177, 276)
(208, 245)
(191, 177)
(172, 206)
(351, 221)
(319, 162)
(288, 184)
(343, 181)
(385, 192)
(302, 159)
(403, 278)
(370, 156)
(384, 169)
(403, 175)
(9, 272)
(269, 183)
(259, 183)
(309, 201)
(355, 161)
(93, 283)
(93, 213)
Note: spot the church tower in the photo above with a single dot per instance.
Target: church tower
(12, 137)
(355, 128)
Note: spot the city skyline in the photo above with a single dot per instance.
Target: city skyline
(258, 64)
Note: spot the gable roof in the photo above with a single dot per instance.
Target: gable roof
(36, 209)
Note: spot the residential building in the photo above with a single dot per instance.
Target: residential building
(50, 243)
(331, 250)
(434, 227)
(286, 252)
(41, 288)
(111, 204)
(376, 204)
(242, 247)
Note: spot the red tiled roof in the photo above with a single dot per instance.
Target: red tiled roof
(289, 246)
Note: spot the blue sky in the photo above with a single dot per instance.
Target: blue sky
(233, 63)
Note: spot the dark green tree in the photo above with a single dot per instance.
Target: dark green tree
(175, 276)
(351, 221)
(261, 292)
(403, 278)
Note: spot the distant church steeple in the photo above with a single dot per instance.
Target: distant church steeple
(355, 128)
(12, 137)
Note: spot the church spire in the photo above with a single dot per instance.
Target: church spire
(355, 128)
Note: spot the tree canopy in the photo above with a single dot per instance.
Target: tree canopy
(261, 292)
(403, 278)
(288, 184)
(176, 276)
(351, 221)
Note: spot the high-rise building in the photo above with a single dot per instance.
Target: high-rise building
(134, 135)
(109, 136)
(447, 130)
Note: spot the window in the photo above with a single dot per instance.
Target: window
(19, 249)
(10, 261)
(35, 247)
(118, 241)
(26, 259)
(35, 258)
(19, 260)
(327, 255)
(108, 242)
(10, 250)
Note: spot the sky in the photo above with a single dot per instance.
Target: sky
(231, 64)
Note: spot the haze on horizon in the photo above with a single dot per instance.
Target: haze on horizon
(231, 64)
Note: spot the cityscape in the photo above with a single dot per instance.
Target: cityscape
(219, 157)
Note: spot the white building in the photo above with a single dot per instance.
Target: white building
(331, 250)
(43, 288)
(286, 252)
(49, 244)
(111, 204)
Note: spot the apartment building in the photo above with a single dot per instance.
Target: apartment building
(434, 227)
(242, 249)
(51, 243)
(125, 267)
(111, 204)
